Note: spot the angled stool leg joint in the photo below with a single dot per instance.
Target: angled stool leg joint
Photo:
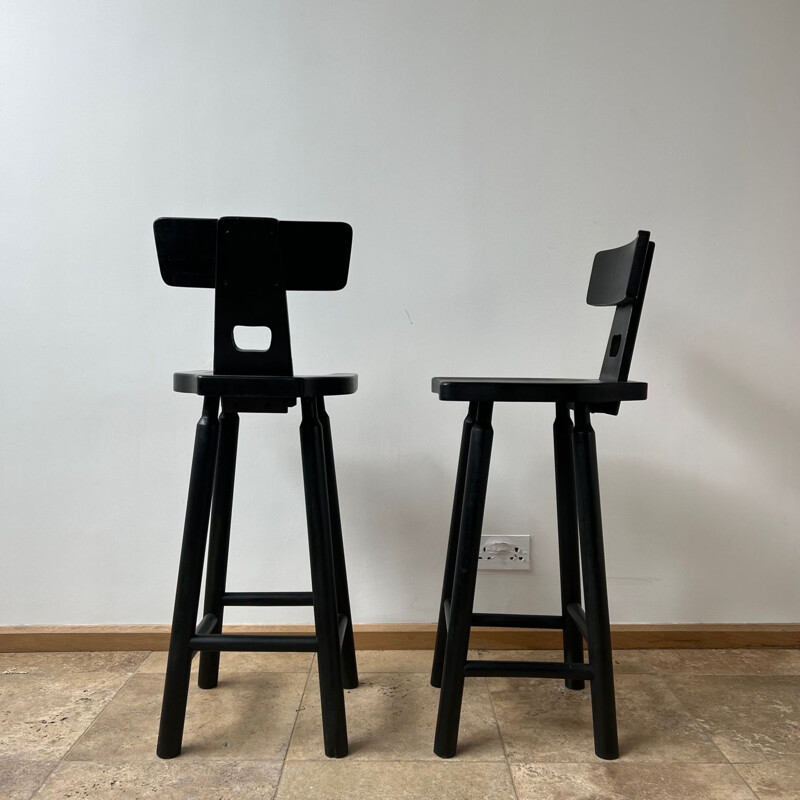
(464, 578)
(452, 547)
(323, 581)
(219, 539)
(190, 574)
(604, 713)
(349, 667)
(568, 548)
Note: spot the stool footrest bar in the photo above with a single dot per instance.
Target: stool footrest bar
(579, 615)
(519, 621)
(268, 599)
(527, 669)
(255, 643)
(547, 621)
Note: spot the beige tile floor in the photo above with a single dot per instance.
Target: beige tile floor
(711, 725)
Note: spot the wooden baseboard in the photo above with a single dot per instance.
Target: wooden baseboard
(405, 636)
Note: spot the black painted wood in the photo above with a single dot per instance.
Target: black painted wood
(568, 547)
(465, 574)
(622, 337)
(264, 386)
(617, 274)
(254, 643)
(268, 599)
(452, 548)
(251, 263)
(619, 278)
(347, 640)
(323, 580)
(314, 256)
(598, 628)
(537, 390)
(539, 621)
(190, 574)
(219, 540)
(250, 291)
(206, 625)
(187, 251)
(578, 615)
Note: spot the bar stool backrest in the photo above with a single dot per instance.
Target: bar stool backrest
(619, 278)
(251, 262)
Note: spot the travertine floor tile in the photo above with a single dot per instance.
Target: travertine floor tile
(754, 661)
(542, 721)
(176, 779)
(774, 781)
(248, 716)
(624, 660)
(42, 715)
(239, 662)
(749, 717)
(352, 780)
(628, 782)
(419, 661)
(59, 664)
(679, 711)
(391, 716)
(21, 777)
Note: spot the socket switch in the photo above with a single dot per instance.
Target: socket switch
(505, 552)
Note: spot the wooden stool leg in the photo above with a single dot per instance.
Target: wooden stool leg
(323, 582)
(568, 549)
(349, 667)
(465, 575)
(452, 548)
(219, 539)
(190, 575)
(604, 711)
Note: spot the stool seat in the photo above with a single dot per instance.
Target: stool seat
(205, 383)
(537, 390)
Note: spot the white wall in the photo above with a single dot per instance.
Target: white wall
(482, 152)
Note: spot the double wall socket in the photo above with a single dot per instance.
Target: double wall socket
(505, 552)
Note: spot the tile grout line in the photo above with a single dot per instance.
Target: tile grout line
(595, 762)
(502, 741)
(727, 761)
(44, 780)
(744, 780)
(283, 760)
(294, 725)
(146, 659)
(693, 717)
(668, 679)
(733, 765)
(102, 711)
(69, 750)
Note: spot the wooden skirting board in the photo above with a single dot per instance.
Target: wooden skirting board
(405, 636)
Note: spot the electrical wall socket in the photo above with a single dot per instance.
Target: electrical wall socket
(505, 552)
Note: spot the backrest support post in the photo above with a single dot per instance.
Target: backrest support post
(250, 291)
(619, 278)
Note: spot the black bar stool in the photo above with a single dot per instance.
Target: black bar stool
(251, 263)
(619, 278)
